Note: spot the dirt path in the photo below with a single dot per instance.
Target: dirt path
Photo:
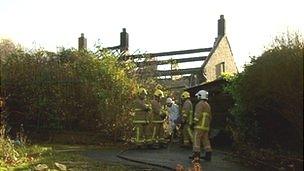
(109, 156)
(168, 158)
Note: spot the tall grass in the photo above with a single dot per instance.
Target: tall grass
(17, 152)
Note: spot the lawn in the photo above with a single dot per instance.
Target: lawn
(39, 156)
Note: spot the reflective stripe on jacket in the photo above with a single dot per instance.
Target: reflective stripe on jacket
(202, 116)
(203, 122)
(140, 121)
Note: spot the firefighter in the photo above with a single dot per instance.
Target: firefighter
(187, 118)
(158, 116)
(140, 120)
(202, 120)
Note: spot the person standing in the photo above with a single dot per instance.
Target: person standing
(158, 116)
(202, 120)
(187, 119)
(173, 115)
(140, 119)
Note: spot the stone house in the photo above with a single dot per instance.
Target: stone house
(220, 58)
(216, 59)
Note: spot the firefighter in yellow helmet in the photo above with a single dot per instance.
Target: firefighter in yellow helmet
(202, 120)
(158, 116)
(140, 121)
(187, 118)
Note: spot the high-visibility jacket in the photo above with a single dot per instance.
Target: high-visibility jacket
(157, 113)
(187, 112)
(202, 116)
(158, 116)
(141, 109)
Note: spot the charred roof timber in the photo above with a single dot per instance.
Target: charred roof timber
(82, 42)
(210, 59)
(178, 72)
(179, 52)
(181, 60)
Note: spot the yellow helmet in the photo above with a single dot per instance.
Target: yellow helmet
(142, 90)
(158, 93)
(185, 95)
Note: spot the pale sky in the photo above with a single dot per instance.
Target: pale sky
(153, 26)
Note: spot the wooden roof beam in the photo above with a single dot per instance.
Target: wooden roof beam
(180, 52)
(160, 73)
(181, 60)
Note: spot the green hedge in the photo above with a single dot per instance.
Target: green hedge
(68, 90)
(269, 97)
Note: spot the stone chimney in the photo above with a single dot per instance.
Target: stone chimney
(82, 42)
(124, 41)
(221, 26)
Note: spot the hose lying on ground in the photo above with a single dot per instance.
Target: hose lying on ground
(119, 155)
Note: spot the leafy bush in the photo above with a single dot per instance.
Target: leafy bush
(14, 153)
(68, 90)
(269, 97)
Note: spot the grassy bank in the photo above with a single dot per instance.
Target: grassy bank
(31, 157)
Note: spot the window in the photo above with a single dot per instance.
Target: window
(219, 69)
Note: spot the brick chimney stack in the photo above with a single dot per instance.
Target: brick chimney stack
(124, 41)
(82, 42)
(221, 26)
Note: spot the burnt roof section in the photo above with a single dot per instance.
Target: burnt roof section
(212, 87)
(180, 52)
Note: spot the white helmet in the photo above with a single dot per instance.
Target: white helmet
(169, 100)
(202, 94)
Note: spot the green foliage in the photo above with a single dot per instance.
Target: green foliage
(70, 156)
(16, 153)
(227, 76)
(268, 96)
(70, 90)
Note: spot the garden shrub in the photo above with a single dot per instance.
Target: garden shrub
(268, 96)
(67, 90)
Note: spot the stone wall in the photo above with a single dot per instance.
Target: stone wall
(221, 54)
